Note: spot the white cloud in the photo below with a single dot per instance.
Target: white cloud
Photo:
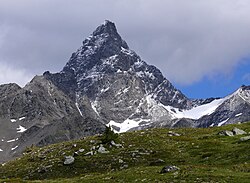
(188, 40)
(9, 74)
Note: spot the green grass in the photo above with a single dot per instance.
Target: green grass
(201, 155)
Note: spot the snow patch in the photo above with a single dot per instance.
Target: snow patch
(94, 105)
(21, 129)
(77, 106)
(211, 125)
(223, 122)
(22, 118)
(12, 140)
(104, 90)
(196, 112)
(49, 93)
(238, 114)
(127, 124)
(13, 148)
(138, 63)
(150, 75)
(13, 120)
(126, 51)
(126, 90)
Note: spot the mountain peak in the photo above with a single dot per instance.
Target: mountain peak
(107, 27)
(103, 43)
(244, 87)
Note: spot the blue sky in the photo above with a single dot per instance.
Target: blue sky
(219, 85)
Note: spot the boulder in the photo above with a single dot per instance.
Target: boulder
(242, 139)
(226, 133)
(81, 150)
(76, 154)
(171, 133)
(237, 131)
(114, 144)
(102, 150)
(90, 153)
(69, 160)
(44, 169)
(167, 169)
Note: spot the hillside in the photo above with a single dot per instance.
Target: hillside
(200, 154)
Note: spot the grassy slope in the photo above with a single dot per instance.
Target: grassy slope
(201, 155)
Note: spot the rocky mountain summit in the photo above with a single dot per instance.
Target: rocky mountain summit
(104, 83)
(120, 86)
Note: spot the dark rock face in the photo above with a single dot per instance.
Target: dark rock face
(41, 114)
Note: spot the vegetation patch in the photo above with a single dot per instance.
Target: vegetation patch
(201, 155)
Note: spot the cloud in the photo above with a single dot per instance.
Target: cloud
(188, 40)
(13, 75)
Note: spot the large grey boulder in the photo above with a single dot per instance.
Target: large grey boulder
(237, 131)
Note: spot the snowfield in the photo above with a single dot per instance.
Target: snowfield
(194, 113)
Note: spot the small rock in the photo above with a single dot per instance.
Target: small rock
(168, 169)
(92, 141)
(171, 133)
(76, 154)
(102, 150)
(89, 153)
(125, 166)
(237, 131)
(242, 139)
(74, 145)
(144, 153)
(41, 156)
(120, 161)
(69, 160)
(114, 144)
(42, 170)
(81, 150)
(226, 133)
